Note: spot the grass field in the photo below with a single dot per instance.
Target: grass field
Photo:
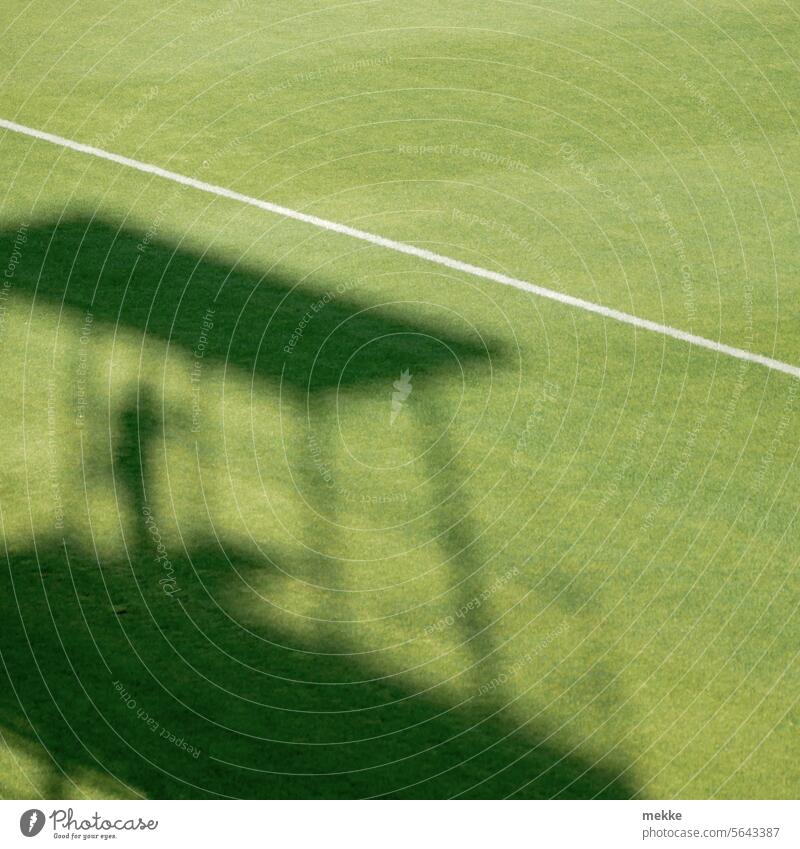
(287, 514)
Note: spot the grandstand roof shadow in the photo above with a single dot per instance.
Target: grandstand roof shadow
(268, 323)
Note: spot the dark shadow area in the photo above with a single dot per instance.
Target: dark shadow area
(460, 539)
(126, 280)
(132, 667)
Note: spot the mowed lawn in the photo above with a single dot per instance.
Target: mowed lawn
(285, 514)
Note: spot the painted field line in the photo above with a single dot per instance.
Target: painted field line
(411, 250)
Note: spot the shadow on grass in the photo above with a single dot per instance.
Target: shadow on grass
(129, 667)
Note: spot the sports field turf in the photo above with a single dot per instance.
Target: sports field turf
(288, 514)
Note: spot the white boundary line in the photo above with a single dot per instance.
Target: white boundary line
(401, 247)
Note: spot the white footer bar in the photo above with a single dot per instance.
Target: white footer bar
(402, 825)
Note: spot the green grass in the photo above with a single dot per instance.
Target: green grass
(569, 566)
